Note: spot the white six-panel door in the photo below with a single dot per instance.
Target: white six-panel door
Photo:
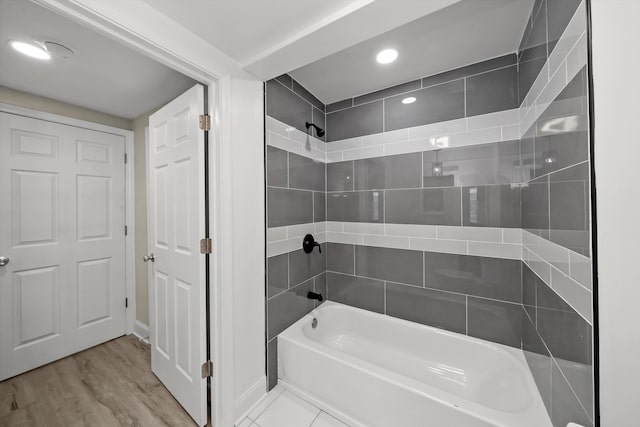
(62, 217)
(177, 304)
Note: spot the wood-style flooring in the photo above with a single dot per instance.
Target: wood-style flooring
(107, 385)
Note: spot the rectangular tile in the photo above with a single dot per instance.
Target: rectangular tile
(286, 80)
(401, 171)
(284, 105)
(411, 230)
(439, 245)
(474, 275)
(276, 233)
(305, 173)
(538, 359)
(339, 105)
(320, 286)
(492, 163)
(319, 206)
(477, 68)
(495, 250)
(277, 167)
(303, 266)
(470, 233)
(319, 118)
(287, 207)
(385, 93)
(308, 96)
(492, 91)
(386, 137)
(510, 235)
(491, 206)
(495, 321)
(565, 407)
(559, 14)
(397, 242)
(359, 292)
(340, 258)
(530, 283)
(498, 118)
(433, 206)
(528, 71)
(577, 296)
(361, 120)
(359, 206)
(277, 274)
(362, 153)
(396, 265)
(535, 205)
(429, 307)
(580, 269)
(438, 129)
(580, 378)
(569, 208)
(287, 308)
(363, 228)
(272, 364)
(340, 176)
(433, 104)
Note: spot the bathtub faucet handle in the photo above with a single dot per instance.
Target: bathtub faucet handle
(309, 243)
(316, 296)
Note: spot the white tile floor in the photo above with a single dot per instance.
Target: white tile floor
(281, 408)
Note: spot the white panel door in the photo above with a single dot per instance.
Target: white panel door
(62, 213)
(177, 303)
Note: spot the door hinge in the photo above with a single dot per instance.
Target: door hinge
(207, 369)
(126, 303)
(126, 230)
(125, 158)
(206, 246)
(205, 122)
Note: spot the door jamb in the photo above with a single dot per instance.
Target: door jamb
(129, 184)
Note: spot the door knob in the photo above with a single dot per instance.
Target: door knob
(149, 257)
(3, 261)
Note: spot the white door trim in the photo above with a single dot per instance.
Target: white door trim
(130, 250)
(186, 53)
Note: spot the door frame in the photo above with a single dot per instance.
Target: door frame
(129, 188)
(188, 54)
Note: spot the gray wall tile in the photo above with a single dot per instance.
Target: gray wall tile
(565, 407)
(320, 286)
(530, 283)
(319, 207)
(288, 207)
(340, 258)
(319, 119)
(286, 80)
(559, 13)
(272, 364)
(491, 206)
(359, 206)
(364, 119)
(340, 176)
(359, 292)
(495, 321)
(395, 265)
(527, 74)
(286, 106)
(538, 359)
(473, 275)
(434, 206)
(308, 96)
(277, 167)
(287, 308)
(340, 105)
(385, 93)
(580, 378)
(535, 44)
(477, 68)
(401, 171)
(434, 308)
(569, 208)
(433, 104)
(305, 173)
(303, 266)
(494, 163)
(535, 206)
(492, 91)
(277, 274)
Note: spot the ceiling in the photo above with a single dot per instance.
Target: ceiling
(463, 33)
(103, 75)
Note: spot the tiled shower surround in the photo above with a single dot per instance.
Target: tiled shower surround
(485, 233)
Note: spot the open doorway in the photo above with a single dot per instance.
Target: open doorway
(74, 128)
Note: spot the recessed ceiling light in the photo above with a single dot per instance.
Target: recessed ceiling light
(29, 49)
(387, 56)
(409, 100)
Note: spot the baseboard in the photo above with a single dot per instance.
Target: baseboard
(140, 330)
(250, 399)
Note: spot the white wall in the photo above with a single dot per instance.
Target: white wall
(616, 75)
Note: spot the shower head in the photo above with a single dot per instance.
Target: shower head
(319, 131)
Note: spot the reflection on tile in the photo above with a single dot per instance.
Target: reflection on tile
(288, 207)
(433, 104)
(272, 363)
(565, 408)
(340, 258)
(278, 274)
(303, 266)
(569, 208)
(491, 206)
(277, 167)
(319, 207)
(492, 91)
(495, 321)
(473, 275)
(305, 173)
(340, 176)
(359, 206)
(433, 206)
(395, 265)
(530, 283)
(494, 163)
(527, 73)
(364, 119)
(538, 359)
(359, 292)
(535, 206)
(287, 308)
(559, 13)
(429, 307)
(286, 106)
(401, 171)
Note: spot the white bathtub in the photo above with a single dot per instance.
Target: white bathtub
(377, 371)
